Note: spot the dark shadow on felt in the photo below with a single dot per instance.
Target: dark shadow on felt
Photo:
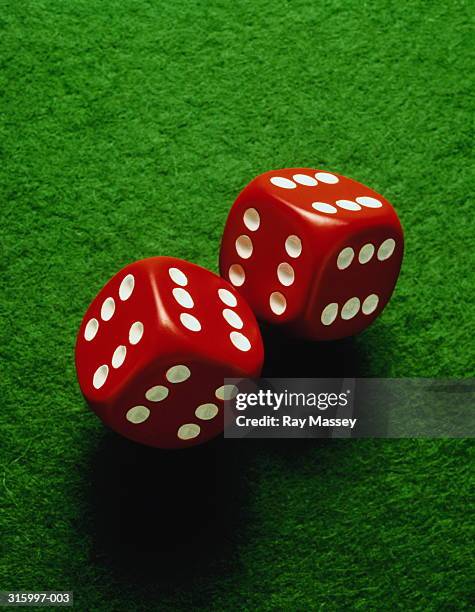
(160, 516)
(288, 357)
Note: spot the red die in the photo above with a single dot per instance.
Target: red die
(314, 251)
(155, 345)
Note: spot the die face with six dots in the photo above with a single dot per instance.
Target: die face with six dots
(312, 250)
(155, 345)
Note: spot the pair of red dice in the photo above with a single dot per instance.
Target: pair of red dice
(313, 251)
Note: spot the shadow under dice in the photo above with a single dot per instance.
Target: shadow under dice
(313, 251)
(155, 345)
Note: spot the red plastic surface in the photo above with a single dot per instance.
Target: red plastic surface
(208, 352)
(290, 208)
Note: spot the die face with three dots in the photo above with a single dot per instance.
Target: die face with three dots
(155, 345)
(312, 250)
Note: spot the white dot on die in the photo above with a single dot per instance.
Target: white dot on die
(157, 393)
(178, 277)
(366, 253)
(100, 376)
(329, 313)
(348, 205)
(304, 179)
(368, 202)
(277, 302)
(323, 207)
(244, 247)
(137, 414)
(386, 249)
(205, 412)
(252, 219)
(370, 304)
(345, 258)
(350, 308)
(279, 181)
(293, 246)
(126, 287)
(232, 318)
(285, 274)
(135, 332)
(226, 392)
(326, 177)
(91, 329)
(227, 297)
(237, 275)
(183, 297)
(178, 374)
(240, 341)
(118, 357)
(188, 431)
(190, 322)
(107, 309)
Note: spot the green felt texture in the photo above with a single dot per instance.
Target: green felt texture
(127, 129)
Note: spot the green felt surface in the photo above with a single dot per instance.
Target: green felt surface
(127, 129)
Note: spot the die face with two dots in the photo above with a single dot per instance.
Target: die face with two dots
(154, 347)
(313, 251)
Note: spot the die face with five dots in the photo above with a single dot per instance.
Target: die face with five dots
(155, 345)
(314, 251)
